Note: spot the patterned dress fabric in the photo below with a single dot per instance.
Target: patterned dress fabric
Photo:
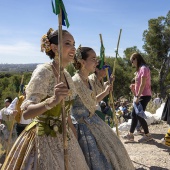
(99, 85)
(38, 147)
(102, 149)
(5, 130)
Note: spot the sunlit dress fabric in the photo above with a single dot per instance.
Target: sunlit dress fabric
(102, 149)
(5, 139)
(38, 147)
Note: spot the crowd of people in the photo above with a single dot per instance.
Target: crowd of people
(6, 125)
(12, 122)
(35, 117)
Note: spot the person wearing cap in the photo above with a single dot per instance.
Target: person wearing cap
(6, 119)
(97, 80)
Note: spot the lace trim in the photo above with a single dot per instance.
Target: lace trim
(87, 96)
(98, 86)
(42, 85)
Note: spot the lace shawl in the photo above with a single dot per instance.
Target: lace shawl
(87, 96)
(42, 85)
(98, 86)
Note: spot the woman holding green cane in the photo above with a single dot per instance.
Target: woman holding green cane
(40, 145)
(102, 149)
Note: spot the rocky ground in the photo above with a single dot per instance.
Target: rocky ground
(152, 155)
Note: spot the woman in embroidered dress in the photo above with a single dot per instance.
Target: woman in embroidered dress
(96, 79)
(102, 148)
(40, 145)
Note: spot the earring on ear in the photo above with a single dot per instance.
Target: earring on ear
(56, 58)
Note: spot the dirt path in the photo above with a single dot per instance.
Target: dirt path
(149, 156)
(152, 155)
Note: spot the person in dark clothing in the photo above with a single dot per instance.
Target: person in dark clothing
(166, 111)
(166, 117)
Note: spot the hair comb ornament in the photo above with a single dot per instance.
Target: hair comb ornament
(78, 55)
(45, 44)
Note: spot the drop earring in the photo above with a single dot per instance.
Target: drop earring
(56, 58)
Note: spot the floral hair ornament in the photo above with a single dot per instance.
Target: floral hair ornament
(45, 43)
(78, 55)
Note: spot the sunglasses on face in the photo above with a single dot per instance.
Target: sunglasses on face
(132, 60)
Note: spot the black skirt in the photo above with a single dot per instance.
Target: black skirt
(166, 111)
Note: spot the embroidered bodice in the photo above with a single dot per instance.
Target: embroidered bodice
(86, 95)
(98, 85)
(42, 85)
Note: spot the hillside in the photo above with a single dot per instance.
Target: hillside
(17, 67)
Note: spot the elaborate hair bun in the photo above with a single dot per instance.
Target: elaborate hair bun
(78, 54)
(45, 44)
(77, 58)
(45, 41)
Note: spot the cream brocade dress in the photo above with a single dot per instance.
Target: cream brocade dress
(38, 148)
(99, 85)
(102, 149)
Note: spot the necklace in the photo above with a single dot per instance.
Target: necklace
(56, 72)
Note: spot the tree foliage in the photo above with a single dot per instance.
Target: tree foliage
(157, 47)
(156, 54)
(10, 85)
(123, 77)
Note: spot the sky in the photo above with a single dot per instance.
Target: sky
(24, 22)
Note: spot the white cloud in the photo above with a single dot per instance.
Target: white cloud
(26, 52)
(21, 52)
